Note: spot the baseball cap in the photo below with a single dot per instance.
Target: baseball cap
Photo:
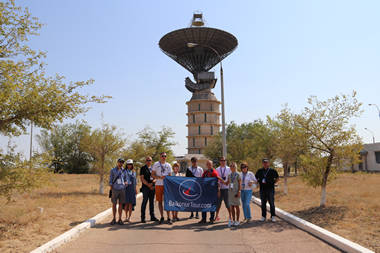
(129, 161)
(120, 160)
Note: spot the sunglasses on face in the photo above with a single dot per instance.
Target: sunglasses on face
(163, 156)
(243, 167)
(148, 160)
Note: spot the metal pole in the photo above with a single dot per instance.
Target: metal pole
(224, 138)
(31, 144)
(377, 107)
(372, 133)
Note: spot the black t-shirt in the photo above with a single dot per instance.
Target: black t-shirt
(147, 175)
(270, 176)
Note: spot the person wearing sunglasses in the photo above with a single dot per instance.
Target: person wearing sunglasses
(147, 189)
(223, 171)
(247, 182)
(267, 178)
(117, 181)
(160, 170)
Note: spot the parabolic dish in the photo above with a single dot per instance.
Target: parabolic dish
(201, 57)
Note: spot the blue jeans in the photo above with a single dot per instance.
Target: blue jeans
(246, 196)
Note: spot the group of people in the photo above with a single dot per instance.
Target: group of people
(234, 188)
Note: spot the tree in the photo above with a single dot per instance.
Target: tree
(289, 141)
(151, 143)
(27, 94)
(330, 138)
(63, 143)
(18, 175)
(105, 146)
(248, 142)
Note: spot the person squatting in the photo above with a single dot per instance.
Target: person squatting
(234, 189)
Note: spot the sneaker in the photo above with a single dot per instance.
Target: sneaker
(113, 222)
(176, 219)
(143, 221)
(237, 223)
(154, 219)
(248, 220)
(202, 221)
(161, 220)
(120, 222)
(212, 221)
(170, 221)
(273, 219)
(191, 216)
(197, 217)
(229, 223)
(262, 219)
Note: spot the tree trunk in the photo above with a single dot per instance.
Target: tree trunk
(324, 179)
(101, 184)
(323, 196)
(296, 168)
(286, 178)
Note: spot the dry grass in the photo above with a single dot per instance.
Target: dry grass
(352, 210)
(68, 201)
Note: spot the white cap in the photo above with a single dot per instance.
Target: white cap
(129, 161)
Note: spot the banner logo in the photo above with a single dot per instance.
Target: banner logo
(190, 190)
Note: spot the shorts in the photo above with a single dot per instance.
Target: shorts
(118, 195)
(159, 193)
(223, 196)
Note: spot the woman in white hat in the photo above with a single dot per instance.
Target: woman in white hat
(131, 190)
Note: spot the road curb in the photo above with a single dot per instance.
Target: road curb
(74, 232)
(323, 234)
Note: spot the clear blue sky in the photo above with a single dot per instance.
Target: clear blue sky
(288, 50)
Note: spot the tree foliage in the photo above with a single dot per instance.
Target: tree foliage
(248, 142)
(18, 175)
(105, 145)
(289, 141)
(332, 141)
(63, 143)
(151, 143)
(26, 92)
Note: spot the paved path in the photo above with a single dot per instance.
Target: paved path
(188, 236)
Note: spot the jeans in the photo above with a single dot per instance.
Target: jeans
(246, 196)
(204, 215)
(147, 195)
(267, 194)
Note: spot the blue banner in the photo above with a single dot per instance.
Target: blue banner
(190, 194)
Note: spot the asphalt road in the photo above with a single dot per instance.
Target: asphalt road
(187, 235)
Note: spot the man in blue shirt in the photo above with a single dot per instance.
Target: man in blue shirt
(118, 181)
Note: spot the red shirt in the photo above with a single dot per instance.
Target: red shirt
(212, 173)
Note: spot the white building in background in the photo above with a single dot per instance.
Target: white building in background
(370, 158)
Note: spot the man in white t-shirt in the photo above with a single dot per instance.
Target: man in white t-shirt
(223, 172)
(194, 171)
(160, 170)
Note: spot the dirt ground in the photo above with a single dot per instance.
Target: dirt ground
(352, 211)
(33, 219)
